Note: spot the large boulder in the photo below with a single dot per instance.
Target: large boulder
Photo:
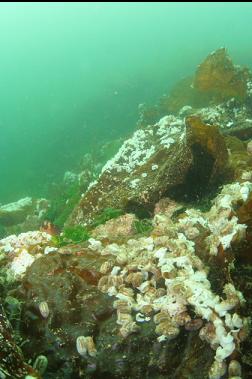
(147, 305)
(220, 78)
(172, 157)
(117, 228)
(14, 213)
(23, 215)
(60, 302)
(216, 79)
(131, 304)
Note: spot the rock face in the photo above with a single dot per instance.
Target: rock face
(121, 227)
(220, 79)
(239, 160)
(169, 158)
(216, 80)
(61, 303)
(180, 156)
(22, 250)
(147, 305)
(22, 215)
(142, 302)
(12, 364)
(14, 213)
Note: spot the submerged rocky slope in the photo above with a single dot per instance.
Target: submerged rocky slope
(154, 280)
(183, 154)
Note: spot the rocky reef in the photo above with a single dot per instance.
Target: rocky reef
(151, 275)
(216, 81)
(184, 154)
(22, 215)
(172, 158)
(220, 79)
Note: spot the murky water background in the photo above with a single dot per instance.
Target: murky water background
(72, 75)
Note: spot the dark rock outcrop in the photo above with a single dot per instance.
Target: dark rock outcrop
(168, 159)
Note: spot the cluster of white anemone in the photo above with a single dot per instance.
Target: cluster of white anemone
(132, 271)
(23, 249)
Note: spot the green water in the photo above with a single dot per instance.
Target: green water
(72, 75)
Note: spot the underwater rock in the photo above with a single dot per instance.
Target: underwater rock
(122, 226)
(249, 148)
(22, 250)
(220, 78)
(24, 215)
(164, 278)
(216, 80)
(240, 162)
(65, 284)
(170, 158)
(66, 280)
(143, 307)
(243, 131)
(14, 213)
(65, 194)
(166, 206)
(210, 142)
(70, 178)
(183, 94)
(12, 363)
(244, 214)
(147, 115)
(142, 302)
(232, 117)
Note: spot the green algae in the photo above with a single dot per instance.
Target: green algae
(143, 226)
(64, 198)
(71, 234)
(106, 215)
(76, 233)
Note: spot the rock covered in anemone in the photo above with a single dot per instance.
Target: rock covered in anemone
(22, 250)
(127, 305)
(164, 277)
